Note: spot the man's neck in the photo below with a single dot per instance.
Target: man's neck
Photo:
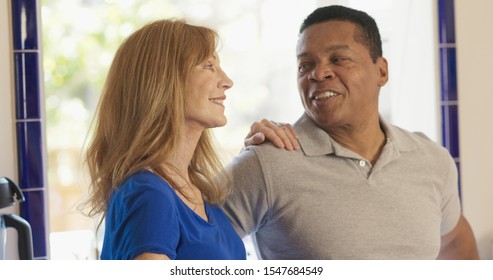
(367, 139)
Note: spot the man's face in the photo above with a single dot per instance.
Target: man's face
(338, 82)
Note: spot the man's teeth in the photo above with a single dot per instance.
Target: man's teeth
(220, 101)
(326, 94)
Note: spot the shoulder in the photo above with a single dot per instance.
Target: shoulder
(145, 179)
(261, 157)
(143, 185)
(419, 148)
(407, 140)
(250, 155)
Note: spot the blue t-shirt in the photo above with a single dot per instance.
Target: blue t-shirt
(146, 215)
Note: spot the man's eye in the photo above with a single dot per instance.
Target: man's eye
(302, 68)
(339, 59)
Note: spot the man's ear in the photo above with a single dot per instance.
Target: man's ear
(384, 71)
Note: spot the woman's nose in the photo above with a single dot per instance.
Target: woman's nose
(226, 82)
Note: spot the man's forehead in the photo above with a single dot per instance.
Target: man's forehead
(328, 49)
(323, 32)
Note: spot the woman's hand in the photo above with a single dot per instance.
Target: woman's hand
(282, 135)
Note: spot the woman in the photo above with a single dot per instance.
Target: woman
(151, 158)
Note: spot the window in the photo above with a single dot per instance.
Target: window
(258, 39)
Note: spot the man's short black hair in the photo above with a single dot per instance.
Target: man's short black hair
(369, 35)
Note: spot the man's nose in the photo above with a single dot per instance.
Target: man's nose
(321, 73)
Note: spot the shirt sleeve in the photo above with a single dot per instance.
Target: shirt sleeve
(143, 219)
(247, 205)
(450, 204)
(451, 209)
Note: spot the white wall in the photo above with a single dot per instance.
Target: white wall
(409, 40)
(7, 120)
(411, 50)
(474, 62)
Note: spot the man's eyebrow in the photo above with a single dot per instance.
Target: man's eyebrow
(327, 50)
(301, 55)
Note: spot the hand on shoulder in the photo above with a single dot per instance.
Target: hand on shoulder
(282, 135)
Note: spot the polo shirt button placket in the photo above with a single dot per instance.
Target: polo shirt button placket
(362, 163)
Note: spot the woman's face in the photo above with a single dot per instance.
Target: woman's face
(206, 93)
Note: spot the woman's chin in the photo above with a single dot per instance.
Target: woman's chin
(219, 123)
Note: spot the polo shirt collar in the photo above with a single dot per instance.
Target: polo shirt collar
(314, 141)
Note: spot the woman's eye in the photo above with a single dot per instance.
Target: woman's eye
(209, 66)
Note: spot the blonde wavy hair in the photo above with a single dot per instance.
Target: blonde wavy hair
(140, 117)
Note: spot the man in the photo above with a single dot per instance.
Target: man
(359, 187)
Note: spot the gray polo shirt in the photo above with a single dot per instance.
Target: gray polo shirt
(327, 202)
